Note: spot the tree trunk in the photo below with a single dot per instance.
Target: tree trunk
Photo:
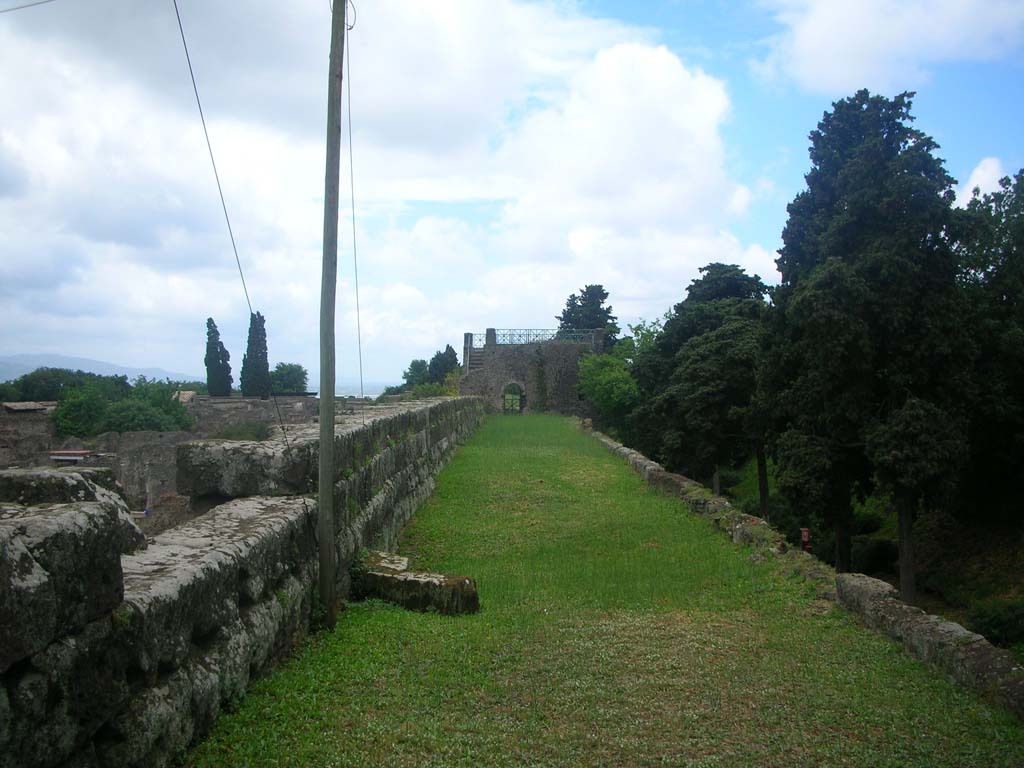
(843, 540)
(716, 482)
(908, 592)
(762, 479)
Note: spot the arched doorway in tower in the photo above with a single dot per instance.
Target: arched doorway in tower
(513, 398)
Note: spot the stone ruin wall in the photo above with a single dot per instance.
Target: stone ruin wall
(25, 438)
(547, 371)
(115, 651)
(144, 462)
(213, 415)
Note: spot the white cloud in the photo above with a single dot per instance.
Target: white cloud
(837, 46)
(506, 154)
(985, 177)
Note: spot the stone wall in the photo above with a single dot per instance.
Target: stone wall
(548, 372)
(25, 438)
(964, 657)
(213, 415)
(168, 636)
(143, 462)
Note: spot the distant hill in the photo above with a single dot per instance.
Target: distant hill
(13, 366)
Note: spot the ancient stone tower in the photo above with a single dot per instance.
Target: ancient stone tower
(526, 369)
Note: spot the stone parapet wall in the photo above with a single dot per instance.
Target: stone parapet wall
(62, 537)
(965, 658)
(179, 629)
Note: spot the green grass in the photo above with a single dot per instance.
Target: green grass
(616, 629)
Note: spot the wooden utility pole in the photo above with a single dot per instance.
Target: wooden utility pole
(328, 281)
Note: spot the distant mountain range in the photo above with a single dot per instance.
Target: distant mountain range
(13, 366)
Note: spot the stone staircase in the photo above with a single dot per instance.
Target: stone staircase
(476, 359)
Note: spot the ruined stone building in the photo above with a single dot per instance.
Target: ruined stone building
(526, 369)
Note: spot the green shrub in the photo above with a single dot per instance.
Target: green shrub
(606, 382)
(134, 415)
(81, 412)
(414, 392)
(288, 378)
(1001, 621)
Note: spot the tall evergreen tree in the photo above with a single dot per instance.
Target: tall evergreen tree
(867, 350)
(441, 364)
(587, 312)
(699, 378)
(218, 366)
(255, 376)
(417, 373)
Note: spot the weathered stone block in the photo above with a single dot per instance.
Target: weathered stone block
(756, 532)
(61, 569)
(668, 482)
(230, 468)
(28, 605)
(387, 577)
(155, 728)
(55, 485)
(858, 592)
(64, 693)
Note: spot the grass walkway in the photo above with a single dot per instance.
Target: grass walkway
(617, 629)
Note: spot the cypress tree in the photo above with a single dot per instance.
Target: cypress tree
(255, 376)
(218, 367)
(869, 352)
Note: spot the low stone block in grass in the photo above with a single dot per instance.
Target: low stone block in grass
(387, 577)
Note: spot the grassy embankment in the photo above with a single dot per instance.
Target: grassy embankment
(617, 629)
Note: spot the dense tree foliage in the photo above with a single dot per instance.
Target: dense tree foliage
(867, 330)
(886, 367)
(605, 381)
(441, 364)
(254, 379)
(417, 373)
(991, 250)
(51, 383)
(288, 377)
(218, 363)
(587, 312)
(422, 379)
(146, 404)
(699, 376)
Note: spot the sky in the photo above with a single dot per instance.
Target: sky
(505, 154)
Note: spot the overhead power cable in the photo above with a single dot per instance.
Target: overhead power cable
(26, 5)
(352, 190)
(227, 220)
(209, 149)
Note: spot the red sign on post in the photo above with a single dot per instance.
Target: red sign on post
(805, 539)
